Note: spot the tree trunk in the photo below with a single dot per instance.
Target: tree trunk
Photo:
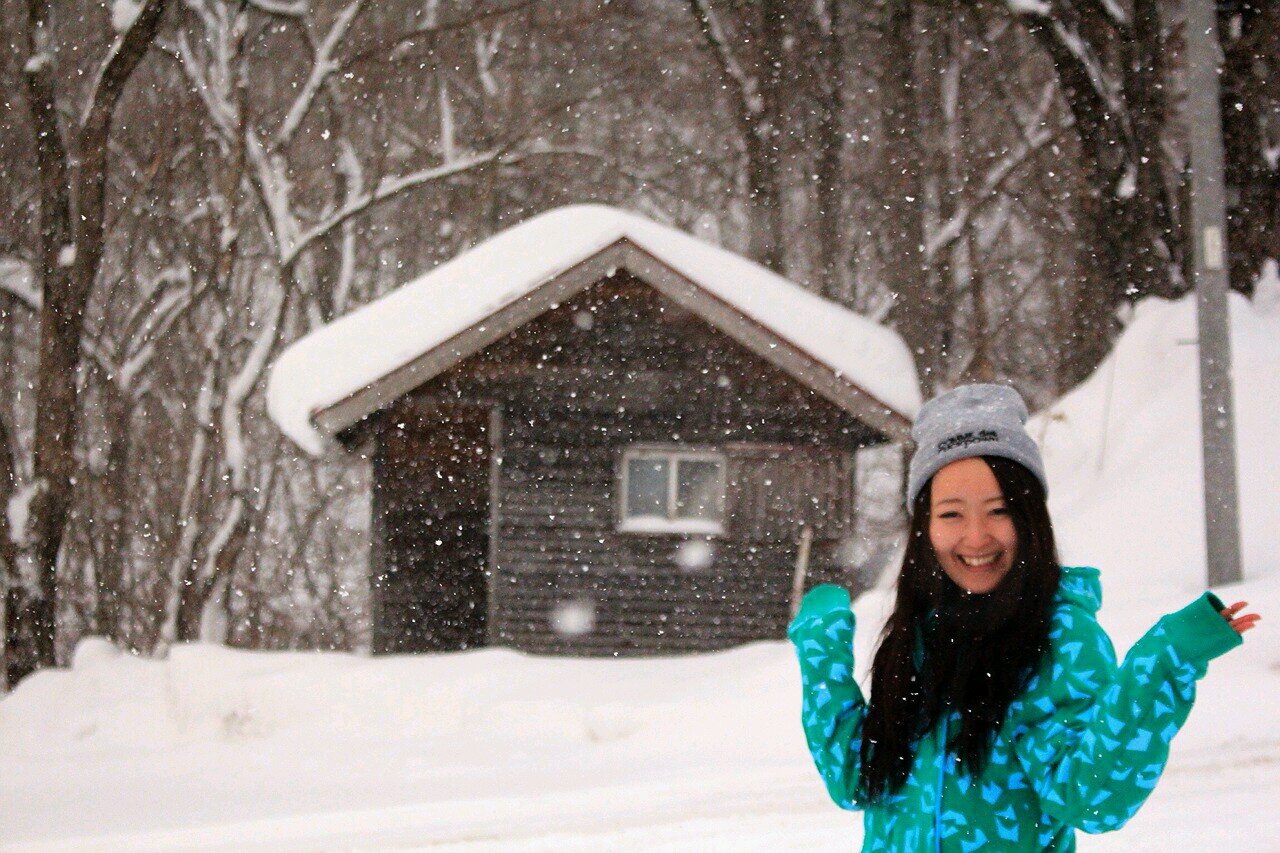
(224, 554)
(1249, 92)
(114, 530)
(980, 368)
(1129, 248)
(70, 252)
(758, 98)
(764, 141)
(829, 192)
(10, 584)
(944, 189)
(1153, 260)
(55, 395)
(918, 309)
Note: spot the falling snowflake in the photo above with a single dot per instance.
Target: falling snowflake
(573, 618)
(694, 555)
(850, 551)
(123, 14)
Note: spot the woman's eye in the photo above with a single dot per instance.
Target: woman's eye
(1002, 510)
(950, 514)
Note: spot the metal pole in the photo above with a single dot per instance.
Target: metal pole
(1208, 219)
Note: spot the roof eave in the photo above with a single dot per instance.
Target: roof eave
(333, 420)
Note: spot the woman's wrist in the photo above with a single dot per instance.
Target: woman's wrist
(1199, 631)
(819, 602)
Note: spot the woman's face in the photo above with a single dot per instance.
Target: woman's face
(969, 526)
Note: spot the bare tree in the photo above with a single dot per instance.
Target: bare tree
(275, 266)
(1111, 64)
(919, 309)
(751, 62)
(71, 243)
(828, 173)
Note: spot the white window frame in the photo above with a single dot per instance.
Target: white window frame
(673, 454)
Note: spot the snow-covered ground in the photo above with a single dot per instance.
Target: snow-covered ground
(494, 750)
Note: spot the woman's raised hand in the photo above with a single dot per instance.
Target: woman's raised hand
(1239, 624)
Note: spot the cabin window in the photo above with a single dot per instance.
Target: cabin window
(672, 491)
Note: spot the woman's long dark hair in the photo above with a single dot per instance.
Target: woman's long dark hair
(946, 649)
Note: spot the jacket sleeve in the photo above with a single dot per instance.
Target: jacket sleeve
(1093, 737)
(833, 707)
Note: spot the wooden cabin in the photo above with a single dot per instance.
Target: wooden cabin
(611, 454)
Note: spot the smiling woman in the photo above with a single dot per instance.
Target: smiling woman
(998, 713)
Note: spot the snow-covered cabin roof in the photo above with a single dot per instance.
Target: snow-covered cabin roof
(331, 378)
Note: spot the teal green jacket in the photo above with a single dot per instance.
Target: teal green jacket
(1082, 748)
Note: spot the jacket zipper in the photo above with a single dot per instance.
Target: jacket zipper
(942, 772)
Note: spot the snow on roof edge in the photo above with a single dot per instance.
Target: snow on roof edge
(337, 360)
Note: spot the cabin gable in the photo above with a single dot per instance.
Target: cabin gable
(640, 264)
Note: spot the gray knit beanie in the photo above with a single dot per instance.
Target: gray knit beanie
(972, 420)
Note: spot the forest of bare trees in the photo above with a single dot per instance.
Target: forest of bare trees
(186, 186)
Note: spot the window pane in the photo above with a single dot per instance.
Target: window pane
(699, 492)
(647, 487)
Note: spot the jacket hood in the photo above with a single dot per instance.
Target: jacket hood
(1081, 586)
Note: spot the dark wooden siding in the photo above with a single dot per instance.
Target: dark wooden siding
(617, 366)
(431, 508)
(777, 489)
(558, 546)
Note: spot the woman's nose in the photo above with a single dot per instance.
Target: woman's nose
(976, 533)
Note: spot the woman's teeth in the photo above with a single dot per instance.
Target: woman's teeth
(978, 562)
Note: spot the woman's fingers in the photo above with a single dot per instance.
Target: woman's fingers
(1244, 623)
(1240, 624)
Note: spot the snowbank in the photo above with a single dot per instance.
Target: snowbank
(216, 745)
(498, 751)
(1122, 451)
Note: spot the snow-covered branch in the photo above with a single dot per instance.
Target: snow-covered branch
(142, 348)
(1042, 8)
(1036, 133)
(448, 128)
(353, 184)
(270, 180)
(208, 87)
(137, 27)
(241, 385)
(747, 88)
(1070, 39)
(397, 47)
(184, 552)
(321, 68)
(486, 50)
(1066, 32)
(18, 280)
(294, 9)
(1114, 12)
(164, 292)
(125, 363)
(385, 189)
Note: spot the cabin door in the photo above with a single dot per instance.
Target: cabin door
(437, 536)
